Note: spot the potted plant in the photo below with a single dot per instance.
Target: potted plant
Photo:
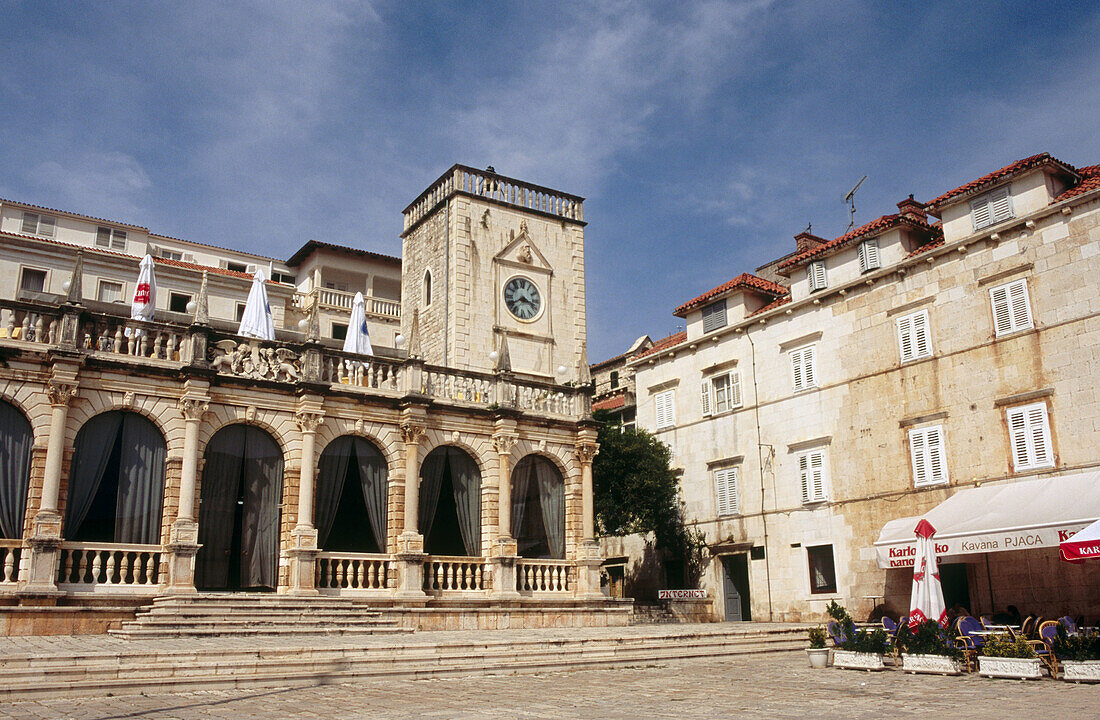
(1007, 657)
(861, 649)
(818, 653)
(928, 649)
(1079, 656)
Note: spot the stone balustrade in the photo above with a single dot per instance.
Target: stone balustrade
(456, 574)
(481, 183)
(342, 300)
(135, 338)
(543, 576)
(92, 567)
(352, 571)
(29, 322)
(356, 371)
(10, 552)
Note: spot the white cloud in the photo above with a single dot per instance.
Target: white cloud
(110, 184)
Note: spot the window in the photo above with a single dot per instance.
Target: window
(236, 267)
(427, 288)
(725, 491)
(868, 256)
(714, 316)
(110, 291)
(339, 330)
(170, 254)
(33, 280)
(816, 273)
(1011, 308)
(1029, 432)
(177, 302)
(803, 373)
(112, 238)
(991, 209)
(822, 569)
(926, 449)
(284, 278)
(663, 405)
(35, 224)
(240, 312)
(914, 338)
(811, 467)
(721, 393)
(614, 379)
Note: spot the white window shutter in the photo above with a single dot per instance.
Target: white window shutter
(1017, 428)
(922, 340)
(734, 475)
(804, 472)
(918, 450)
(1018, 302)
(1002, 314)
(664, 411)
(817, 466)
(999, 206)
(30, 223)
(926, 447)
(869, 256)
(46, 225)
(808, 366)
(937, 469)
(1039, 431)
(735, 389)
(705, 397)
(905, 337)
(817, 276)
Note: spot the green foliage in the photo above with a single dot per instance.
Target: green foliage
(839, 613)
(1076, 647)
(817, 637)
(928, 639)
(864, 641)
(1006, 646)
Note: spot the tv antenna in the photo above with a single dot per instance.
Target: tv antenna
(850, 199)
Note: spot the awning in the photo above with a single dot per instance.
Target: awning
(1019, 515)
(1083, 545)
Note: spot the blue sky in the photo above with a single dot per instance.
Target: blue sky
(704, 135)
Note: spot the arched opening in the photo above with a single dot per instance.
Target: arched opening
(16, 439)
(116, 481)
(538, 508)
(242, 485)
(427, 288)
(352, 484)
(450, 503)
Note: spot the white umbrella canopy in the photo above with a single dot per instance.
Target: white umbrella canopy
(143, 306)
(256, 321)
(358, 339)
(1082, 545)
(926, 602)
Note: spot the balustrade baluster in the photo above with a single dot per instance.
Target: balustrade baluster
(9, 564)
(97, 565)
(24, 327)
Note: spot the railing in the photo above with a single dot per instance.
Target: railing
(457, 386)
(10, 553)
(538, 576)
(359, 371)
(26, 322)
(92, 567)
(327, 297)
(544, 399)
(446, 574)
(495, 187)
(136, 338)
(352, 571)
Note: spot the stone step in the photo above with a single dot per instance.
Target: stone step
(168, 672)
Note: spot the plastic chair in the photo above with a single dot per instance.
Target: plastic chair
(890, 626)
(836, 632)
(1069, 624)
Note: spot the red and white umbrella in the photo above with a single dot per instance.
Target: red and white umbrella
(1082, 545)
(143, 306)
(927, 600)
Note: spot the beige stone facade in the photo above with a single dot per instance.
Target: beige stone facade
(799, 420)
(66, 358)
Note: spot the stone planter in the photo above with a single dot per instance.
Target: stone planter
(1016, 668)
(819, 657)
(1081, 670)
(852, 660)
(931, 664)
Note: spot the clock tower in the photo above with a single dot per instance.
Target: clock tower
(488, 260)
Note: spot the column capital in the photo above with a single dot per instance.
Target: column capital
(505, 442)
(60, 392)
(193, 408)
(585, 452)
(412, 432)
(308, 421)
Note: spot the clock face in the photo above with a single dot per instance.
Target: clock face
(522, 298)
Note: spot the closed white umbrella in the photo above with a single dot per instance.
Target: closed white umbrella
(358, 339)
(143, 306)
(257, 321)
(927, 599)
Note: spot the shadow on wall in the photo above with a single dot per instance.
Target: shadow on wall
(646, 574)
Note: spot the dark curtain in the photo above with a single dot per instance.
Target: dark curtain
(331, 472)
(92, 450)
(521, 478)
(140, 482)
(552, 498)
(374, 477)
(262, 476)
(16, 440)
(221, 478)
(431, 479)
(466, 479)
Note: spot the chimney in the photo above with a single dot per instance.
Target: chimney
(913, 209)
(806, 240)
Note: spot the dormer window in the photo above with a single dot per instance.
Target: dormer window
(991, 208)
(714, 316)
(816, 273)
(868, 256)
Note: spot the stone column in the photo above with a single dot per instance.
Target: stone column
(45, 538)
(183, 542)
(303, 556)
(588, 550)
(504, 550)
(409, 558)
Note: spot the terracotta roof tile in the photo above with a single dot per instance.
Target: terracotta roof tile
(773, 305)
(744, 281)
(938, 242)
(874, 227)
(1090, 180)
(612, 403)
(664, 344)
(1027, 163)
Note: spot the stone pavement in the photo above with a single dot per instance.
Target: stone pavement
(775, 686)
